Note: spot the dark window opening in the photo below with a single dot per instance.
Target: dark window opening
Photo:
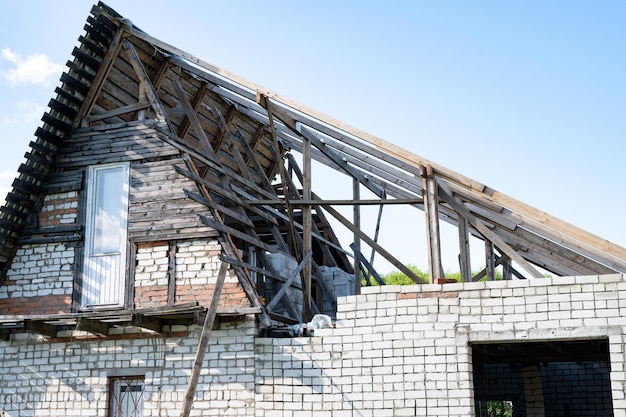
(552, 378)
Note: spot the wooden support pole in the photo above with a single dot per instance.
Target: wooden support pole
(462, 210)
(204, 342)
(306, 259)
(171, 273)
(370, 269)
(356, 210)
(507, 272)
(431, 211)
(389, 257)
(464, 250)
(265, 102)
(490, 263)
(307, 225)
(501, 260)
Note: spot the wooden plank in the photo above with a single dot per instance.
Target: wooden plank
(356, 216)
(40, 327)
(289, 282)
(146, 322)
(231, 250)
(261, 271)
(310, 135)
(464, 251)
(131, 55)
(171, 273)
(339, 160)
(370, 269)
(501, 260)
(307, 230)
(490, 264)
(335, 127)
(195, 106)
(203, 343)
(93, 326)
(283, 176)
(375, 246)
(116, 112)
(446, 194)
(205, 143)
(330, 202)
(270, 217)
(431, 212)
(223, 210)
(236, 233)
(102, 74)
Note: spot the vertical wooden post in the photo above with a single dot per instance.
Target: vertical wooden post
(507, 272)
(307, 225)
(490, 264)
(431, 211)
(204, 342)
(356, 210)
(171, 273)
(464, 250)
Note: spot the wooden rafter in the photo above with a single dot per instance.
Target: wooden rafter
(459, 207)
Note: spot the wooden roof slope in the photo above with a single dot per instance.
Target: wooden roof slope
(235, 134)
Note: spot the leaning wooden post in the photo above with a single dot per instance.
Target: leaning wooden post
(204, 342)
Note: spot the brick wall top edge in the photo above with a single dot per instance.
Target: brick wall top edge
(517, 283)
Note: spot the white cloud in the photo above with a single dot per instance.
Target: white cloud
(34, 70)
(26, 113)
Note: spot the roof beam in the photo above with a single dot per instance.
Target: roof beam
(446, 194)
(395, 262)
(103, 73)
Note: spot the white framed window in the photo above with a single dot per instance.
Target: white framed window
(126, 396)
(106, 229)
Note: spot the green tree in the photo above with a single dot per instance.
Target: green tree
(399, 278)
(499, 409)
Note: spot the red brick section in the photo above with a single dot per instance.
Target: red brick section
(53, 217)
(232, 295)
(445, 280)
(156, 243)
(49, 304)
(155, 296)
(152, 296)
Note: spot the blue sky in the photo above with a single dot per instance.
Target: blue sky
(526, 97)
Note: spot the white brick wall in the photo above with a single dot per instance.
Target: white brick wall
(197, 263)
(71, 378)
(406, 350)
(151, 265)
(40, 270)
(396, 351)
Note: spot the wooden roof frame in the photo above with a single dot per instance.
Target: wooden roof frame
(176, 93)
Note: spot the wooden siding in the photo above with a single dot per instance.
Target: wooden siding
(159, 209)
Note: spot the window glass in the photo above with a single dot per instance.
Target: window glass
(108, 211)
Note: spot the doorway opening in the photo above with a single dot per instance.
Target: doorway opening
(542, 379)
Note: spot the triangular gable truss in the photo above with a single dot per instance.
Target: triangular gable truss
(235, 137)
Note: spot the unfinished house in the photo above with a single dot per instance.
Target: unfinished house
(164, 254)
